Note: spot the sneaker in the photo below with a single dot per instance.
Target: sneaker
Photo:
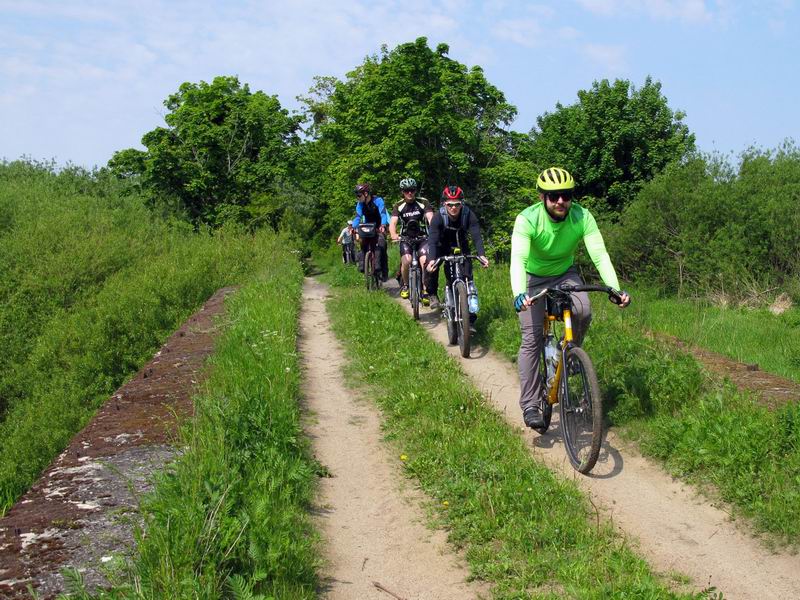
(434, 301)
(533, 417)
(404, 292)
(425, 300)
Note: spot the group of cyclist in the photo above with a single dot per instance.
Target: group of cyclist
(543, 245)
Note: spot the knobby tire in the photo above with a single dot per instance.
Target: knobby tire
(369, 270)
(462, 316)
(581, 411)
(413, 284)
(547, 408)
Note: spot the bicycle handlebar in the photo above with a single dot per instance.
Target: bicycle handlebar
(570, 288)
(454, 257)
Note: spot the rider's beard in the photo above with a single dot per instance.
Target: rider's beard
(556, 217)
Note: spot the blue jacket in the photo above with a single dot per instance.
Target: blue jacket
(373, 213)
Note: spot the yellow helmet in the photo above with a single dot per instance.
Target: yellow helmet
(553, 179)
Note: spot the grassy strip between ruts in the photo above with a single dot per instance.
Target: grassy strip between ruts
(529, 533)
(230, 517)
(703, 430)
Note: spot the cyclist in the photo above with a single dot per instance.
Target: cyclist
(414, 215)
(448, 230)
(370, 209)
(346, 240)
(543, 246)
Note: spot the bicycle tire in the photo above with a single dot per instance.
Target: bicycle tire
(413, 284)
(547, 408)
(452, 330)
(369, 269)
(462, 316)
(581, 411)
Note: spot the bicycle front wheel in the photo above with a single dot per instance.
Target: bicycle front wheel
(462, 316)
(581, 411)
(413, 285)
(369, 270)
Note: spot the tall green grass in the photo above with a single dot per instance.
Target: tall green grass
(529, 533)
(230, 517)
(91, 285)
(703, 430)
(743, 334)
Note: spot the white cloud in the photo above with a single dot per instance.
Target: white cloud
(611, 58)
(527, 32)
(690, 11)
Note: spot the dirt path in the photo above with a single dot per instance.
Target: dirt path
(677, 529)
(372, 529)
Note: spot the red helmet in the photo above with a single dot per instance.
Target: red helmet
(362, 188)
(452, 192)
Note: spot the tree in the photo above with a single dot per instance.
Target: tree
(221, 146)
(614, 139)
(411, 111)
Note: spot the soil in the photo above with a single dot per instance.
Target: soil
(671, 523)
(81, 512)
(372, 522)
(771, 390)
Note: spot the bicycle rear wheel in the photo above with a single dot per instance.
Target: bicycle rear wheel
(581, 411)
(462, 316)
(413, 285)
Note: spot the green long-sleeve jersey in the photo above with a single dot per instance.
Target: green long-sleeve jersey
(545, 248)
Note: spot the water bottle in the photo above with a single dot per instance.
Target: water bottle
(550, 356)
(472, 297)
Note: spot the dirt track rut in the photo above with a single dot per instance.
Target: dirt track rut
(371, 521)
(676, 529)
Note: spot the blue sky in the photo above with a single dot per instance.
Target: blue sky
(82, 79)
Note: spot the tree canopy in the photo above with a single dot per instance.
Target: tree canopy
(221, 146)
(614, 139)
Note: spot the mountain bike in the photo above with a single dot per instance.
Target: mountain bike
(570, 378)
(414, 274)
(349, 252)
(456, 308)
(372, 273)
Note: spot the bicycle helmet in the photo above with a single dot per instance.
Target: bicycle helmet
(408, 183)
(452, 192)
(362, 188)
(553, 179)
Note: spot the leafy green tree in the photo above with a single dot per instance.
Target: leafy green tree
(614, 139)
(409, 111)
(222, 146)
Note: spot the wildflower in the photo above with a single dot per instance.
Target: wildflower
(288, 369)
(445, 504)
(403, 457)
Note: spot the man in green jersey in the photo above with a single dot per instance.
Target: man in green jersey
(543, 246)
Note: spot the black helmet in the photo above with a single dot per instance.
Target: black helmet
(362, 188)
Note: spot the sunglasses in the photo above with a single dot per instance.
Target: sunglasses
(452, 204)
(554, 196)
(409, 191)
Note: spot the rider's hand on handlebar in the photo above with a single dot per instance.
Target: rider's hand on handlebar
(522, 302)
(430, 266)
(624, 298)
(484, 261)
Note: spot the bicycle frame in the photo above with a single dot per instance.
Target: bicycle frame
(563, 294)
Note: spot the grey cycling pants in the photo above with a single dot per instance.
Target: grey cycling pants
(531, 386)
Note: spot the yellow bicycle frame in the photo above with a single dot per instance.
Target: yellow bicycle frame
(552, 393)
